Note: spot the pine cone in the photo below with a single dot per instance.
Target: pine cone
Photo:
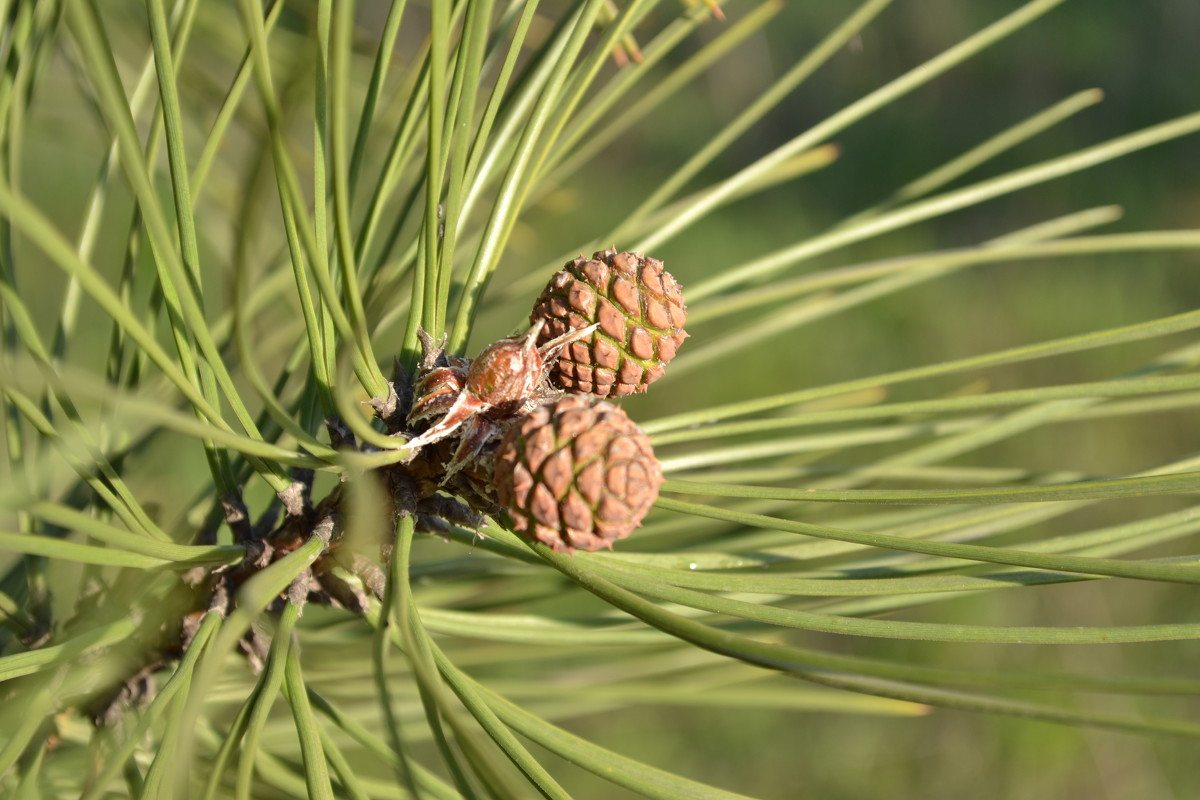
(576, 475)
(639, 308)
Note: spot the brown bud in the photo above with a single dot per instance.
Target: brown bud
(506, 373)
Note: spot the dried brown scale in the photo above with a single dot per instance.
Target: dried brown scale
(439, 381)
(435, 392)
(640, 312)
(575, 475)
(413, 484)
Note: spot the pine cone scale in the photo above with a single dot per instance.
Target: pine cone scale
(657, 315)
(641, 344)
(612, 321)
(539, 447)
(626, 296)
(589, 445)
(580, 299)
(591, 482)
(556, 473)
(575, 512)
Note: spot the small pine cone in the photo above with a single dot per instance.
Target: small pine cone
(576, 475)
(639, 307)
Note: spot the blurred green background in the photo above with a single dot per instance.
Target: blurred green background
(1144, 56)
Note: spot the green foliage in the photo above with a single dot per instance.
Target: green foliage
(221, 224)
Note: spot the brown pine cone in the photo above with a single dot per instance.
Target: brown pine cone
(640, 309)
(576, 475)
